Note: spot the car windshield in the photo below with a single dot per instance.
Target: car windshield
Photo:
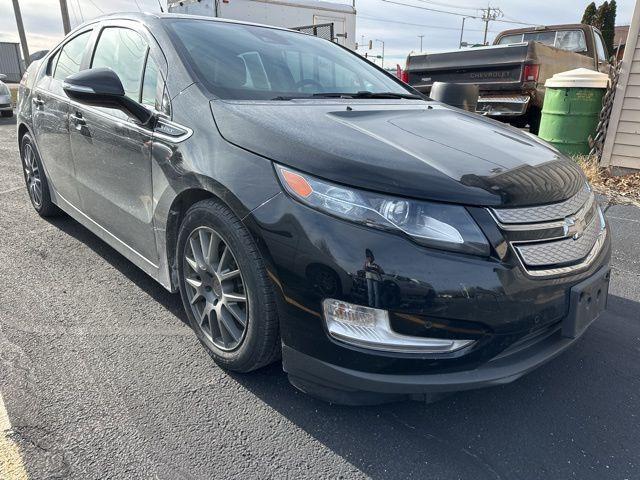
(247, 62)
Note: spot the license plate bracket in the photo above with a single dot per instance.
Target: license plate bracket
(588, 301)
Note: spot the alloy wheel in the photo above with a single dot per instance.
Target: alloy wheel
(32, 175)
(215, 288)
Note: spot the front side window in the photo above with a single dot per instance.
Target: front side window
(124, 51)
(600, 49)
(151, 84)
(247, 62)
(70, 57)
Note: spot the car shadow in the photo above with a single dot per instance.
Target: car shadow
(171, 302)
(548, 424)
(553, 416)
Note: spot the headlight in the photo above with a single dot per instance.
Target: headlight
(4, 90)
(437, 225)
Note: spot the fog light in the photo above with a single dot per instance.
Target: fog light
(370, 328)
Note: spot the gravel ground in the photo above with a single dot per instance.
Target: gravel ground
(102, 378)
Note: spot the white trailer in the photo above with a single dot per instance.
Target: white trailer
(333, 21)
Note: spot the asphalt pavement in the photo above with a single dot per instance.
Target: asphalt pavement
(101, 378)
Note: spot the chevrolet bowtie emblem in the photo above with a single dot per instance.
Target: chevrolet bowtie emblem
(574, 227)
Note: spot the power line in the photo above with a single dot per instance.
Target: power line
(80, 10)
(486, 11)
(431, 9)
(96, 6)
(432, 2)
(489, 14)
(437, 27)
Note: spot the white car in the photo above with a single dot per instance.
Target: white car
(6, 109)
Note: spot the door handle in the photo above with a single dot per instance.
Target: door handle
(37, 102)
(78, 120)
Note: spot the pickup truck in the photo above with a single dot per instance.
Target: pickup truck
(511, 73)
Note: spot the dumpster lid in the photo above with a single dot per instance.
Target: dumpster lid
(578, 78)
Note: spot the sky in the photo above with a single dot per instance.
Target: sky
(397, 25)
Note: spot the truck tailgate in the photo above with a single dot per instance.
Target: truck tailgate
(484, 66)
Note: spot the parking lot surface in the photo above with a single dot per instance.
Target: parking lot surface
(101, 378)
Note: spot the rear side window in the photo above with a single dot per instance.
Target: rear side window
(124, 51)
(70, 57)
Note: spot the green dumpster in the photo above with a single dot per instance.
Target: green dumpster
(572, 104)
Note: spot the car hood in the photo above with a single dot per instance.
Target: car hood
(416, 149)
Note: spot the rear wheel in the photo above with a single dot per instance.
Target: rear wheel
(35, 178)
(225, 289)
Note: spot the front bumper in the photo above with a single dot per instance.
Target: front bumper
(344, 385)
(513, 318)
(347, 386)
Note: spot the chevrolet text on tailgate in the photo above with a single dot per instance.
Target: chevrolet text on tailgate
(381, 245)
(512, 72)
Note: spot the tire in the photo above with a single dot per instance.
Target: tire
(33, 175)
(7, 113)
(205, 288)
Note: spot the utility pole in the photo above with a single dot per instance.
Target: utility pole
(420, 37)
(382, 60)
(489, 14)
(66, 25)
(21, 34)
(462, 31)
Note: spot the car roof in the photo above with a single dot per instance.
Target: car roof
(146, 16)
(545, 28)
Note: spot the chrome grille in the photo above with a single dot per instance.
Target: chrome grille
(544, 213)
(568, 235)
(561, 251)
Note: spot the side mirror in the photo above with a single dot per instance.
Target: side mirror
(101, 87)
(3, 77)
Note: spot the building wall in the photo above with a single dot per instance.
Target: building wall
(622, 145)
(10, 61)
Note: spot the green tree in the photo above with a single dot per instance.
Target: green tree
(601, 16)
(609, 26)
(589, 14)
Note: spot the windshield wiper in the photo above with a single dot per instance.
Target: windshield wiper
(367, 94)
(361, 94)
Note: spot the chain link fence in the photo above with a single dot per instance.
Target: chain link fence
(323, 30)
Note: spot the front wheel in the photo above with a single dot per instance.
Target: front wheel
(225, 289)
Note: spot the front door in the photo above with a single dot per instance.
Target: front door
(50, 107)
(112, 151)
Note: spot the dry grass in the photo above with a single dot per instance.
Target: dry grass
(621, 189)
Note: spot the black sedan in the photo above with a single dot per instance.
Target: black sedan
(309, 206)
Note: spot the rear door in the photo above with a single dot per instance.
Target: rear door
(50, 107)
(111, 150)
